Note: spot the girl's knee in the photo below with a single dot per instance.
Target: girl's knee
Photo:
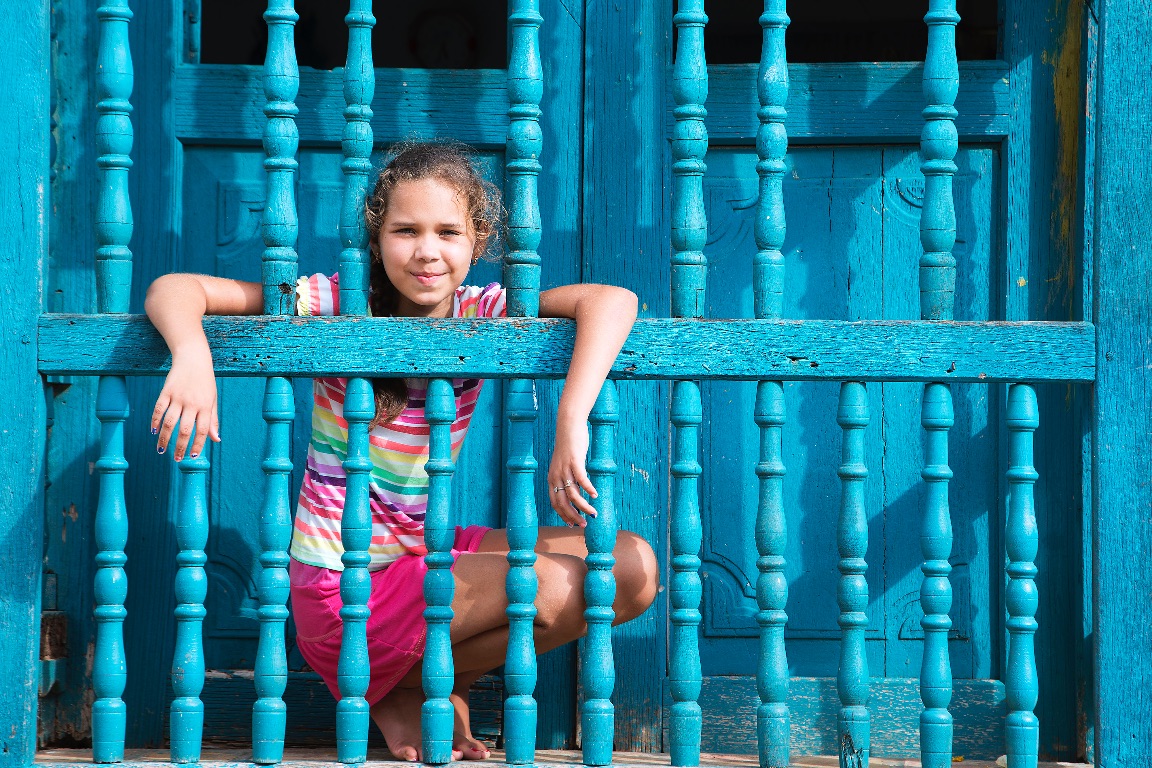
(637, 575)
(560, 593)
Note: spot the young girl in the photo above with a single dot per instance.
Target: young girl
(430, 217)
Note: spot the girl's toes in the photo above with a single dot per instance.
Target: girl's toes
(407, 754)
(475, 751)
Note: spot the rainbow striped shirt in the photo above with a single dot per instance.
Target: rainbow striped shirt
(398, 491)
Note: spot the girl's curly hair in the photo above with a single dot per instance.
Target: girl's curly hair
(451, 163)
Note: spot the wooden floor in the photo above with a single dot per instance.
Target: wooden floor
(322, 758)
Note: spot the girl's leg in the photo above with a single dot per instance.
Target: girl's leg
(480, 624)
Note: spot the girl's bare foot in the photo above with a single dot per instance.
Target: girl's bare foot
(397, 716)
(464, 745)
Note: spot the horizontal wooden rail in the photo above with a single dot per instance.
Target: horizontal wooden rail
(847, 102)
(866, 102)
(656, 349)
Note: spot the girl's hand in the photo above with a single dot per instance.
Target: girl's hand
(567, 475)
(176, 305)
(188, 397)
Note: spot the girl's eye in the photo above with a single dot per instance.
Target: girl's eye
(450, 233)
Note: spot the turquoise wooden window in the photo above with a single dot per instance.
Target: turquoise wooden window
(217, 107)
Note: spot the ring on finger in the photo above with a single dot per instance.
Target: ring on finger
(559, 488)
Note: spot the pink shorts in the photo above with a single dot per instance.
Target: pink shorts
(396, 629)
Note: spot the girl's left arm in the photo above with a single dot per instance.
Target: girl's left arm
(604, 315)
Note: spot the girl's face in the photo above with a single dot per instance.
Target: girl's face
(426, 244)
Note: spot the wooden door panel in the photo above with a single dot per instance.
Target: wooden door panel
(851, 253)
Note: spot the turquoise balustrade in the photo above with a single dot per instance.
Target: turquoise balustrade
(597, 670)
(937, 280)
(186, 718)
(773, 724)
(852, 543)
(114, 78)
(937, 277)
(437, 713)
(522, 282)
(689, 280)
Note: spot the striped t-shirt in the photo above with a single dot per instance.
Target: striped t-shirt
(398, 491)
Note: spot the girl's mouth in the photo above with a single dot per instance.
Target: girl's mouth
(427, 279)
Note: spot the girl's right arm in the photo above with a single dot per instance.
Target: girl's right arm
(176, 304)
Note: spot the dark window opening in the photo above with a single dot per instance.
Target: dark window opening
(432, 34)
(847, 31)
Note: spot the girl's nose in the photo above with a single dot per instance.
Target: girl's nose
(426, 250)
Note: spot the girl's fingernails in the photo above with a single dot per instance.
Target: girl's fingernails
(193, 455)
(155, 431)
(160, 449)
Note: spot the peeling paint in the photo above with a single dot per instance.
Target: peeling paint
(1068, 90)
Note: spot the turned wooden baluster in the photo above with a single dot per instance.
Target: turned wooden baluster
(598, 669)
(522, 168)
(280, 224)
(689, 279)
(684, 676)
(436, 715)
(938, 147)
(352, 673)
(269, 713)
(353, 676)
(186, 718)
(279, 229)
(1022, 541)
(114, 79)
(522, 281)
(772, 716)
(521, 583)
(936, 591)
(852, 541)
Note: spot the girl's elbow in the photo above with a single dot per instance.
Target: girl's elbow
(626, 303)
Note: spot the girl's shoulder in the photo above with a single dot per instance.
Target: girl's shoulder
(318, 295)
(479, 301)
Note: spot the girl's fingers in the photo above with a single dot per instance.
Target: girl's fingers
(187, 425)
(158, 412)
(559, 502)
(582, 480)
(215, 426)
(569, 502)
(577, 500)
(203, 426)
(171, 418)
